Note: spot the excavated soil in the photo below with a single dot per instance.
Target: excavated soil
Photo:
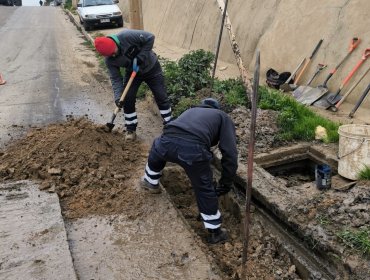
(93, 172)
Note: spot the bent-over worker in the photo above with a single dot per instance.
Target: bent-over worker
(187, 141)
(120, 51)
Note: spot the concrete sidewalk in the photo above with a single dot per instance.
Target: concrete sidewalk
(33, 239)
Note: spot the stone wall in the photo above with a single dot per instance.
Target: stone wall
(284, 31)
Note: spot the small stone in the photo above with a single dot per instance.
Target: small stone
(119, 176)
(55, 171)
(291, 269)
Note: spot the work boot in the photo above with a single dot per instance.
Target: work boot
(130, 135)
(149, 187)
(217, 235)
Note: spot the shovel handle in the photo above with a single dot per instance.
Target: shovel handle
(295, 71)
(320, 67)
(351, 89)
(353, 45)
(359, 102)
(308, 61)
(365, 55)
(123, 95)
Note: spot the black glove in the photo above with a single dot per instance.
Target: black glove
(223, 186)
(119, 103)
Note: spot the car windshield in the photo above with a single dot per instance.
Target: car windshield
(97, 2)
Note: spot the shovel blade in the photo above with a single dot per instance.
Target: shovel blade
(327, 101)
(109, 127)
(300, 91)
(310, 96)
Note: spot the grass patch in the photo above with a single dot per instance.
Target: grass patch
(323, 220)
(358, 240)
(295, 120)
(364, 173)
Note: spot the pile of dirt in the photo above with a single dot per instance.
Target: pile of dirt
(266, 130)
(88, 168)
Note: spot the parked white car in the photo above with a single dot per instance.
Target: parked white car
(94, 13)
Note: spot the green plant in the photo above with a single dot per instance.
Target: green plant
(68, 5)
(295, 120)
(364, 174)
(358, 240)
(190, 74)
(184, 104)
(232, 92)
(323, 220)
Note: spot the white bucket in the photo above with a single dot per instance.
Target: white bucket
(354, 149)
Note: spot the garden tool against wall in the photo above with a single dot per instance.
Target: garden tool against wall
(359, 102)
(314, 94)
(298, 92)
(287, 86)
(335, 109)
(330, 99)
(299, 76)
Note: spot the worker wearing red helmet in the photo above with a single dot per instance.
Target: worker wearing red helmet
(122, 50)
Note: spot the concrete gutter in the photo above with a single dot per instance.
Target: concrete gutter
(78, 25)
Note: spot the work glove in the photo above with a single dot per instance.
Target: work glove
(119, 103)
(135, 66)
(223, 186)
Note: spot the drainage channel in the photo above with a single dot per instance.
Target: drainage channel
(308, 265)
(275, 250)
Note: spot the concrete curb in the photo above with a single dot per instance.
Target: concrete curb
(78, 25)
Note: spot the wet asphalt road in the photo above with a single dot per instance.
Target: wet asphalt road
(38, 89)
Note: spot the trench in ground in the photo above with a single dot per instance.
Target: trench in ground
(274, 249)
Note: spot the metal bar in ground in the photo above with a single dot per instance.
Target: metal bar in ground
(250, 163)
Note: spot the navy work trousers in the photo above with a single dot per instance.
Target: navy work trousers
(195, 159)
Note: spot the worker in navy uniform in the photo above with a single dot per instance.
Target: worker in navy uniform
(132, 50)
(187, 141)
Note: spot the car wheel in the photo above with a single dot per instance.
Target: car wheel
(86, 26)
(81, 22)
(120, 23)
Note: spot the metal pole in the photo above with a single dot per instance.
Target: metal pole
(248, 195)
(218, 44)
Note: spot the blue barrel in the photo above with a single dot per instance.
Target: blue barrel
(323, 176)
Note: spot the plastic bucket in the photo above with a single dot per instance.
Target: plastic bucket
(323, 176)
(354, 149)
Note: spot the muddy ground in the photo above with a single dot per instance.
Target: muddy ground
(92, 172)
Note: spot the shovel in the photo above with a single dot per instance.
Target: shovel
(110, 125)
(286, 86)
(333, 98)
(308, 62)
(315, 94)
(359, 102)
(302, 89)
(336, 107)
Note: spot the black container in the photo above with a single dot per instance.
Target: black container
(323, 176)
